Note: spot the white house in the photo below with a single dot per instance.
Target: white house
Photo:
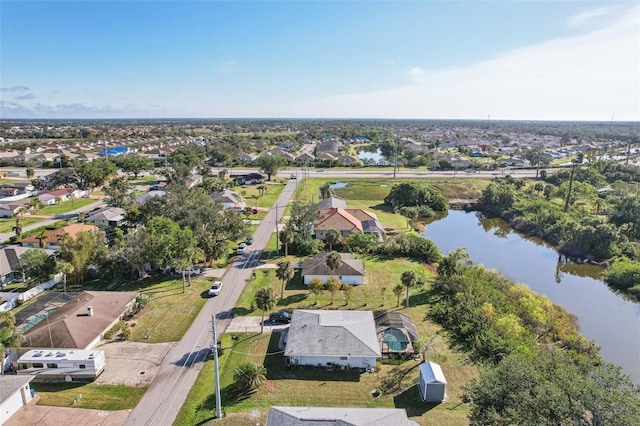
(15, 392)
(338, 416)
(63, 365)
(332, 338)
(109, 216)
(229, 199)
(432, 383)
(351, 271)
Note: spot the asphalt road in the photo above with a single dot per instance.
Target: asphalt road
(180, 368)
(64, 216)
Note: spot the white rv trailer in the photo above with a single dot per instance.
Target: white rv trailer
(62, 365)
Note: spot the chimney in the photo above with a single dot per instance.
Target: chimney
(90, 310)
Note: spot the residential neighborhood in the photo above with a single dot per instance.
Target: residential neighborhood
(123, 249)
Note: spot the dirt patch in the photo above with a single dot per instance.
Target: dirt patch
(132, 363)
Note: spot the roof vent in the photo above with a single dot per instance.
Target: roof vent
(90, 310)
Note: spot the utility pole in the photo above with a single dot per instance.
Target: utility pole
(215, 367)
(539, 155)
(395, 163)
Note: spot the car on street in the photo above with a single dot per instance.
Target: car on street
(241, 248)
(280, 317)
(215, 288)
(293, 176)
(192, 271)
(249, 240)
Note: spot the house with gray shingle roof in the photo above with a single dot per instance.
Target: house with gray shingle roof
(351, 271)
(15, 392)
(332, 338)
(337, 416)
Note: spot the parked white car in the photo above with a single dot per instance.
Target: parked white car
(241, 248)
(215, 288)
(193, 271)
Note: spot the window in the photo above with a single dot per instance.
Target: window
(37, 365)
(344, 358)
(82, 366)
(52, 365)
(23, 366)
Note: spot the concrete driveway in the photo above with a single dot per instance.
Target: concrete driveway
(40, 415)
(252, 325)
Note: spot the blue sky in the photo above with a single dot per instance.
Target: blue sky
(537, 60)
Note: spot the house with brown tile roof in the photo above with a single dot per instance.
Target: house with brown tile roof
(338, 219)
(54, 236)
(81, 322)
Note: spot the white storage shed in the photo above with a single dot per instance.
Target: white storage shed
(432, 384)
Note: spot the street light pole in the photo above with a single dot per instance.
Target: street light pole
(277, 236)
(215, 367)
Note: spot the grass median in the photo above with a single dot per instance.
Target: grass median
(97, 397)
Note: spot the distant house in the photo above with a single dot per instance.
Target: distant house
(47, 199)
(53, 237)
(337, 416)
(12, 208)
(305, 158)
(229, 199)
(246, 158)
(432, 383)
(282, 153)
(332, 338)
(351, 271)
(144, 197)
(81, 322)
(109, 216)
(249, 179)
(8, 190)
(348, 160)
(15, 392)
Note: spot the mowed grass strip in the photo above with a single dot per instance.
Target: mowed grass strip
(170, 311)
(97, 397)
(6, 225)
(65, 207)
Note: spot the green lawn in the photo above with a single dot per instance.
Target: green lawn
(273, 191)
(98, 397)
(65, 207)
(299, 386)
(7, 224)
(170, 311)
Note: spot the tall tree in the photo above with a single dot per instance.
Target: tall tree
(265, 300)
(302, 217)
(86, 249)
(17, 228)
(285, 272)
(325, 190)
(271, 164)
(35, 265)
(451, 264)
(334, 261)
(135, 164)
(64, 268)
(9, 336)
(332, 237)
(409, 279)
(119, 191)
(347, 290)
(397, 290)
(287, 236)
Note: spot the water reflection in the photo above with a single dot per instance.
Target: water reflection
(605, 316)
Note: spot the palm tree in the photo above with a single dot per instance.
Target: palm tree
(249, 376)
(452, 263)
(265, 300)
(409, 279)
(64, 268)
(9, 336)
(316, 286)
(333, 285)
(18, 227)
(383, 291)
(42, 238)
(332, 237)
(287, 236)
(325, 190)
(397, 290)
(334, 261)
(262, 189)
(284, 272)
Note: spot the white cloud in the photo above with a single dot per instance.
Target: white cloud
(416, 71)
(588, 16)
(388, 62)
(587, 77)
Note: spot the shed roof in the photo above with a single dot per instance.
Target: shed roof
(432, 373)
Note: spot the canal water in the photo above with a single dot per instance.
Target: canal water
(605, 317)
